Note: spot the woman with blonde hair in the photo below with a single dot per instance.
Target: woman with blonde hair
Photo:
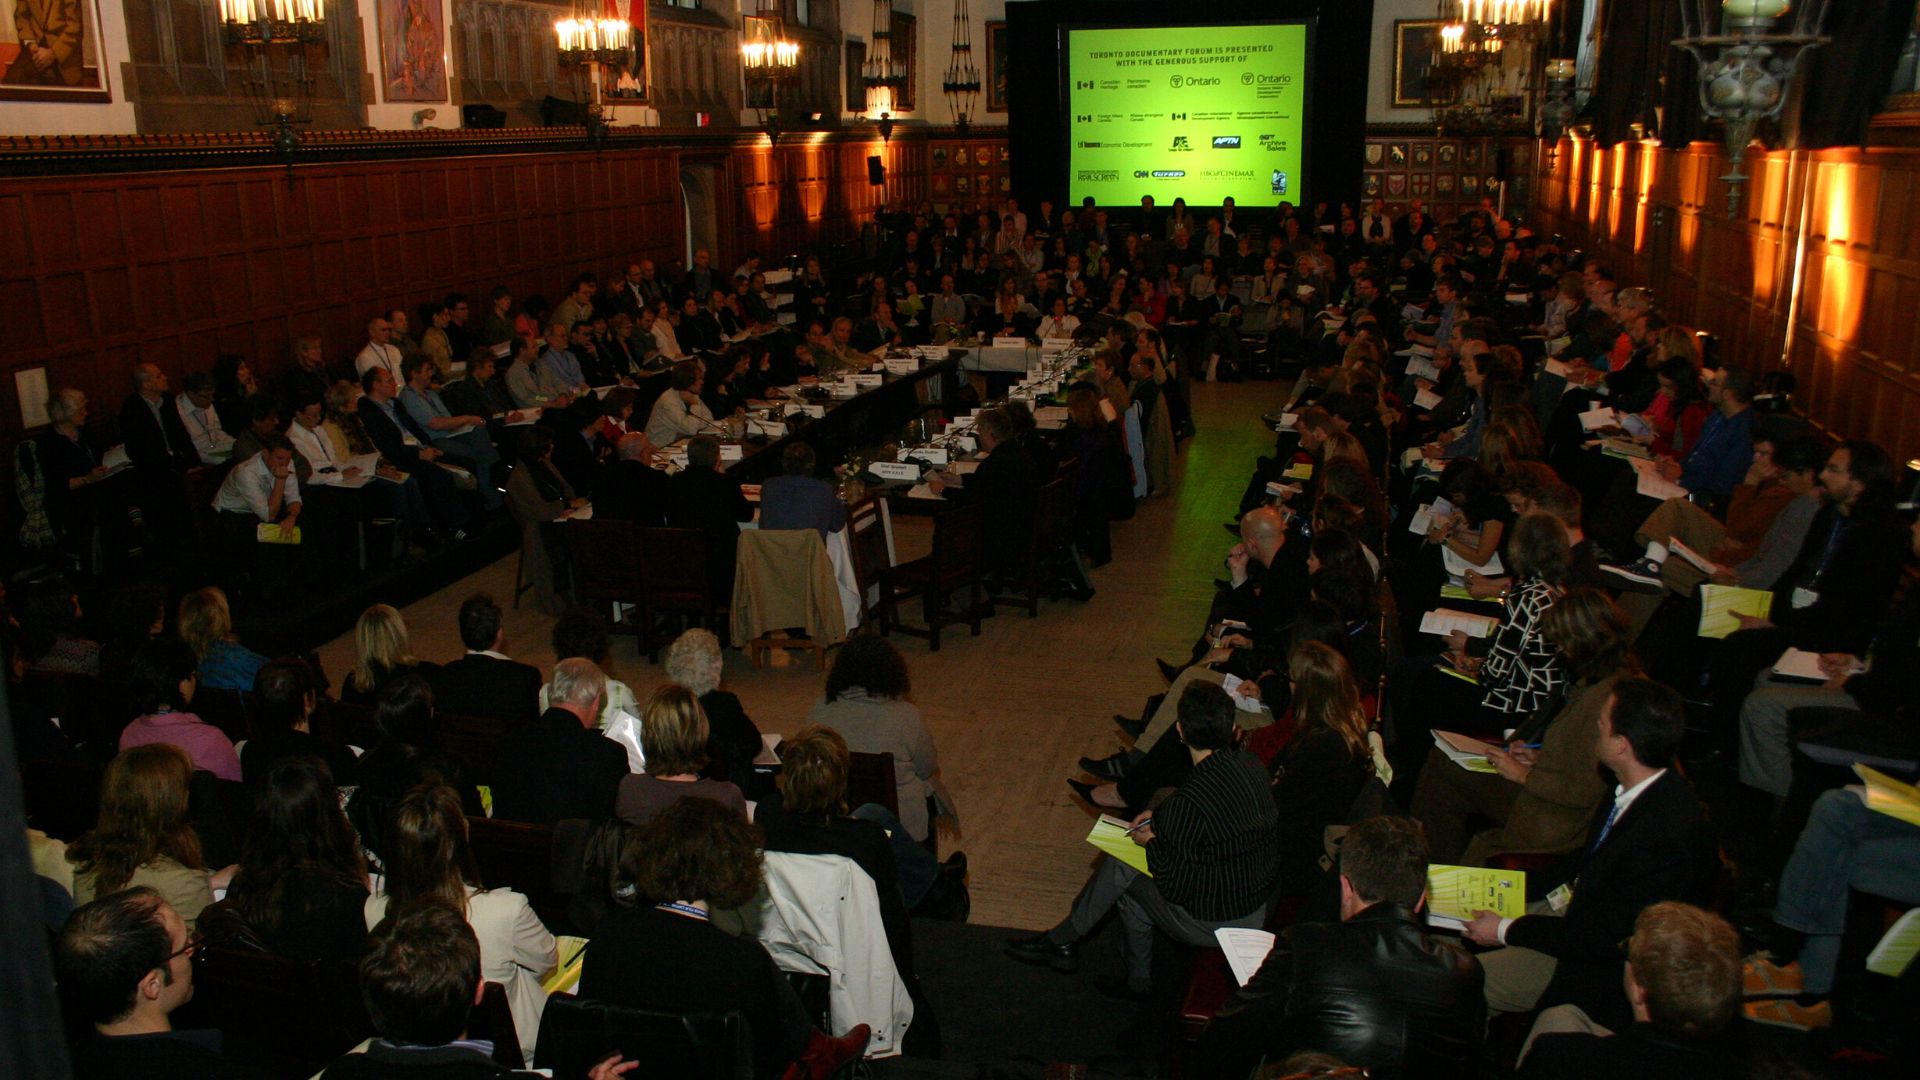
(380, 653)
(206, 626)
(428, 860)
(1342, 446)
(144, 837)
(343, 420)
(673, 731)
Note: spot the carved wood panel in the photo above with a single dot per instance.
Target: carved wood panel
(179, 79)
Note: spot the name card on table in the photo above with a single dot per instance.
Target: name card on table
(730, 452)
(1054, 345)
(902, 365)
(932, 455)
(815, 411)
(1009, 343)
(866, 382)
(772, 429)
(895, 470)
(966, 444)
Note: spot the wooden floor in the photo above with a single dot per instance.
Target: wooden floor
(1013, 709)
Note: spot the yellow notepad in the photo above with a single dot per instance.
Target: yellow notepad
(1719, 604)
(1897, 949)
(1889, 796)
(1300, 470)
(1110, 835)
(273, 534)
(1456, 892)
(565, 975)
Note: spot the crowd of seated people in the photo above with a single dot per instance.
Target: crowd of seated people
(1451, 546)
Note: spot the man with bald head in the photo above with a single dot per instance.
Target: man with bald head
(157, 440)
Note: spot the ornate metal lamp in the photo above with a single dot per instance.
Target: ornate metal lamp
(272, 39)
(881, 76)
(962, 81)
(589, 44)
(768, 59)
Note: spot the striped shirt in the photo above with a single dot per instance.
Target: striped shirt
(1215, 848)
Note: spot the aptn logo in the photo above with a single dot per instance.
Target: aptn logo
(1226, 142)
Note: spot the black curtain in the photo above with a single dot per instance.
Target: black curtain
(1842, 84)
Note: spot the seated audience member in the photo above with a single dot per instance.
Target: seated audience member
(704, 497)
(197, 414)
(300, 890)
(162, 684)
(582, 632)
(1650, 842)
(51, 618)
(664, 953)
(796, 499)
(380, 653)
(485, 681)
(1874, 692)
(1211, 847)
(1847, 847)
(405, 755)
(430, 861)
(532, 384)
(678, 412)
(577, 444)
(124, 963)
(1004, 487)
(674, 733)
(206, 625)
(630, 488)
(461, 439)
(282, 721)
(1683, 986)
(157, 442)
(560, 766)
(694, 661)
(262, 491)
(1543, 795)
(143, 836)
(539, 498)
(1373, 989)
(482, 391)
(867, 702)
(1322, 768)
(420, 980)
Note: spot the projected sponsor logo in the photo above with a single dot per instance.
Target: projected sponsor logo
(1246, 78)
(1158, 174)
(1177, 116)
(1097, 175)
(1179, 81)
(1228, 174)
(1226, 142)
(1083, 118)
(1279, 182)
(1083, 84)
(1180, 143)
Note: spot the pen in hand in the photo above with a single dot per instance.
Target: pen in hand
(1138, 827)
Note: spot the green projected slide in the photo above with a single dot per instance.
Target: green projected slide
(1202, 112)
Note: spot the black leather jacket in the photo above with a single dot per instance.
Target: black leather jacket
(1373, 991)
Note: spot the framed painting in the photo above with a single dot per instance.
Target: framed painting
(413, 50)
(906, 53)
(996, 74)
(1415, 41)
(856, 53)
(50, 51)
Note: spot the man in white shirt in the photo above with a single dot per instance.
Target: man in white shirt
(260, 491)
(210, 440)
(679, 412)
(380, 351)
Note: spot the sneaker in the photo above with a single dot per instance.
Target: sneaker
(1760, 977)
(1642, 575)
(1788, 1013)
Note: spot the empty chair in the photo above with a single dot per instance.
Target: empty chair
(952, 566)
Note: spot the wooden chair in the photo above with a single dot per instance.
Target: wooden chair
(867, 539)
(518, 856)
(492, 1021)
(1052, 532)
(606, 565)
(289, 1017)
(954, 564)
(674, 582)
(871, 779)
(575, 1035)
(471, 738)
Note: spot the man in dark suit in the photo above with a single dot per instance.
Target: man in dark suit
(1372, 989)
(157, 439)
(394, 435)
(707, 499)
(796, 499)
(560, 766)
(629, 488)
(486, 681)
(1005, 487)
(1650, 843)
(1222, 312)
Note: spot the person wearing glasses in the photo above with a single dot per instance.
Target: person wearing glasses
(124, 963)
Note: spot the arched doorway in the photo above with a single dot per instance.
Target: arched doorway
(699, 200)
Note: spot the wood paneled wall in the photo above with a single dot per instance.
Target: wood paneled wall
(1818, 273)
(98, 273)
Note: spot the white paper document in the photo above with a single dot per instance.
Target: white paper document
(1457, 566)
(1650, 483)
(1444, 621)
(1801, 664)
(1426, 399)
(1595, 419)
(1244, 704)
(1246, 950)
(1423, 518)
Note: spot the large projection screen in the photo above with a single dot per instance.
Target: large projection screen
(1200, 112)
